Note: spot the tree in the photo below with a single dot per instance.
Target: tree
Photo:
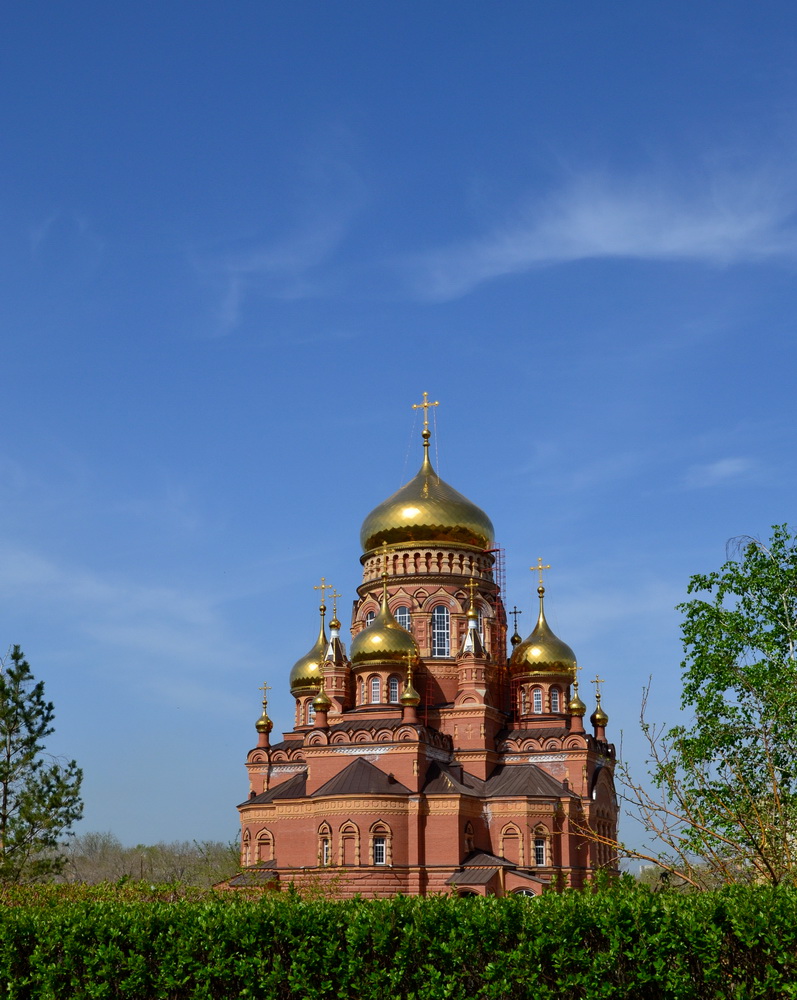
(724, 796)
(39, 795)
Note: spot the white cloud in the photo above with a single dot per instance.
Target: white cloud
(718, 473)
(730, 220)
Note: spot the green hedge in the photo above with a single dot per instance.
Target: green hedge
(618, 942)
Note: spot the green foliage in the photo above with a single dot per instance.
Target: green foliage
(731, 774)
(620, 941)
(39, 796)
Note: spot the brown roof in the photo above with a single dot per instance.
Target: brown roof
(475, 876)
(541, 733)
(293, 788)
(480, 859)
(442, 780)
(361, 777)
(256, 875)
(523, 779)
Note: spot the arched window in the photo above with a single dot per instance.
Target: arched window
(264, 846)
(536, 696)
(539, 850)
(246, 850)
(512, 844)
(555, 699)
(468, 838)
(324, 844)
(369, 618)
(393, 690)
(381, 853)
(403, 617)
(441, 631)
(376, 691)
(310, 712)
(361, 691)
(349, 845)
(524, 701)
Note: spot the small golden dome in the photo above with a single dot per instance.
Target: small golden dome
(305, 673)
(426, 509)
(543, 652)
(264, 724)
(576, 706)
(383, 641)
(321, 702)
(409, 696)
(599, 717)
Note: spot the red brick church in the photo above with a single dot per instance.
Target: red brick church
(423, 758)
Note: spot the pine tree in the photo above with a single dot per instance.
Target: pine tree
(39, 795)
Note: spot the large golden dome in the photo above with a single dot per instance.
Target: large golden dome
(305, 675)
(543, 652)
(426, 509)
(383, 641)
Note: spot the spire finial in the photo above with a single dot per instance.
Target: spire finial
(426, 433)
(597, 682)
(264, 725)
(515, 612)
(472, 587)
(335, 596)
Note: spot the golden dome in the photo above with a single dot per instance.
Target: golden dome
(576, 706)
(426, 509)
(543, 652)
(264, 724)
(383, 641)
(305, 673)
(599, 717)
(321, 702)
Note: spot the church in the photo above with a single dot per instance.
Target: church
(426, 756)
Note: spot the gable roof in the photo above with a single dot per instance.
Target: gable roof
(361, 777)
(293, 788)
(523, 779)
(441, 780)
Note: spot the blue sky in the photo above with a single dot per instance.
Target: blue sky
(237, 243)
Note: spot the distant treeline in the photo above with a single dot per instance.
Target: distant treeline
(100, 857)
(621, 941)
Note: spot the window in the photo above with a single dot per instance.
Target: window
(380, 850)
(369, 618)
(404, 618)
(554, 699)
(539, 850)
(375, 690)
(393, 690)
(441, 631)
(524, 701)
(536, 695)
(310, 713)
(325, 851)
(264, 846)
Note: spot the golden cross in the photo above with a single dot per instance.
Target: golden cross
(425, 407)
(598, 680)
(323, 587)
(383, 552)
(471, 588)
(265, 688)
(539, 568)
(335, 596)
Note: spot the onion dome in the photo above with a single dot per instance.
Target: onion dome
(576, 706)
(543, 652)
(409, 696)
(264, 724)
(321, 702)
(384, 641)
(305, 673)
(426, 509)
(599, 718)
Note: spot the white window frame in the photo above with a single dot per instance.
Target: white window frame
(375, 690)
(393, 690)
(404, 617)
(441, 631)
(380, 849)
(539, 851)
(536, 697)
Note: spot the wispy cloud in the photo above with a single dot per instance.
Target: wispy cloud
(729, 219)
(288, 263)
(719, 473)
